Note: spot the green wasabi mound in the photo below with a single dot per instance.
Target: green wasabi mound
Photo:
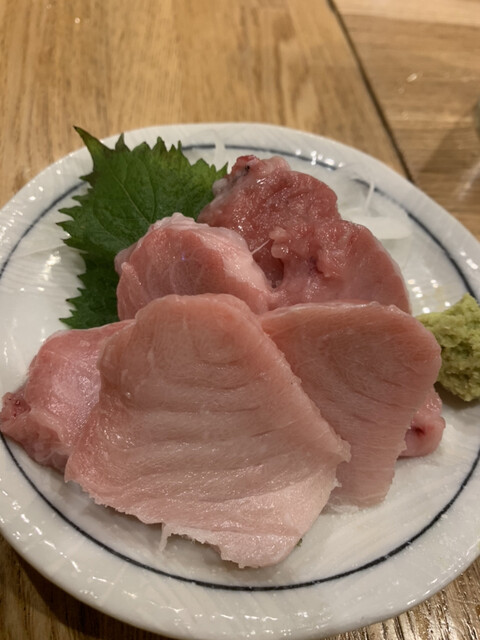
(457, 330)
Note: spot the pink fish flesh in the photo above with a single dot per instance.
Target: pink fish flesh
(368, 368)
(47, 413)
(202, 426)
(178, 255)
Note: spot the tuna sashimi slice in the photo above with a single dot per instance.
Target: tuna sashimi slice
(336, 260)
(47, 413)
(292, 227)
(426, 429)
(368, 368)
(202, 426)
(259, 195)
(178, 255)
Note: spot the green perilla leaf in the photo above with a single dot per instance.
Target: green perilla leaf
(129, 189)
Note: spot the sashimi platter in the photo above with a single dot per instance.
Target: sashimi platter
(225, 412)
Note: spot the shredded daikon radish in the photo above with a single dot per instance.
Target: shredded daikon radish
(360, 202)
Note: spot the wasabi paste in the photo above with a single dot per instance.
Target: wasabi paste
(457, 331)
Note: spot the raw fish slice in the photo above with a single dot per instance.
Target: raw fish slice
(47, 413)
(292, 226)
(426, 429)
(201, 425)
(368, 368)
(179, 255)
(259, 195)
(336, 260)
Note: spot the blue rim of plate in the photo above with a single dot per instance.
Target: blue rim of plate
(251, 588)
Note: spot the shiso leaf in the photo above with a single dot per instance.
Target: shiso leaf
(129, 189)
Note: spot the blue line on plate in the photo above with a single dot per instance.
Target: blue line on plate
(41, 215)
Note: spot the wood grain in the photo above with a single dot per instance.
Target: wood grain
(397, 80)
(425, 73)
(114, 66)
(459, 12)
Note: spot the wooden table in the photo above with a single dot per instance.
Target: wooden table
(398, 80)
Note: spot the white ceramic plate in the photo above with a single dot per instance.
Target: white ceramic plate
(352, 568)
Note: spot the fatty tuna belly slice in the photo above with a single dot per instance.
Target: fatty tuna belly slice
(178, 255)
(202, 426)
(47, 413)
(426, 429)
(259, 195)
(368, 368)
(336, 260)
